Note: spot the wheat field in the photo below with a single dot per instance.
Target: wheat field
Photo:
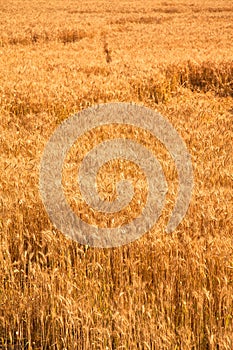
(162, 291)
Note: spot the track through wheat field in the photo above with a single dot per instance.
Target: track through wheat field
(162, 291)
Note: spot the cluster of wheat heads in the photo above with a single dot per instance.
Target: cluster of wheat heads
(162, 291)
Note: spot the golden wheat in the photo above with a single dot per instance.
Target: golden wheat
(162, 291)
